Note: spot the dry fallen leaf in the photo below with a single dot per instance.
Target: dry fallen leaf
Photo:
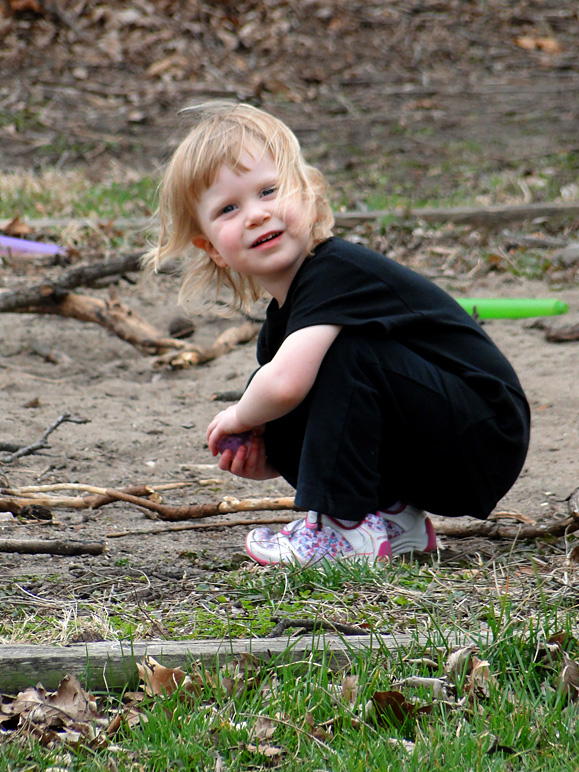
(160, 680)
(269, 751)
(67, 715)
(459, 661)
(242, 675)
(391, 708)
(316, 731)
(17, 228)
(264, 728)
(350, 690)
(550, 651)
(480, 678)
(70, 703)
(569, 678)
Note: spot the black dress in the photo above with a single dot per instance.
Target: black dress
(412, 402)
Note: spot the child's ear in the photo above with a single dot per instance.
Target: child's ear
(202, 243)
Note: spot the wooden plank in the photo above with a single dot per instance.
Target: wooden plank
(110, 665)
(497, 214)
(472, 215)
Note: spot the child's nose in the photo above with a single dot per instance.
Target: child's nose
(257, 214)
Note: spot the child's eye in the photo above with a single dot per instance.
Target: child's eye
(269, 191)
(227, 209)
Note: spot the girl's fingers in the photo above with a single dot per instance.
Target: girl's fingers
(225, 460)
(238, 461)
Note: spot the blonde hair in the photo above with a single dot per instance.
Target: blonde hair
(222, 131)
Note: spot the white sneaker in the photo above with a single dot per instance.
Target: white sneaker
(409, 529)
(320, 537)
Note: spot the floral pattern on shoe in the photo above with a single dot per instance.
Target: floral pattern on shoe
(311, 544)
(319, 537)
(393, 529)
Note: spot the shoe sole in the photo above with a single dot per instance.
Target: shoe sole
(253, 556)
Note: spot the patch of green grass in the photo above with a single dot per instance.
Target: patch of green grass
(521, 721)
(72, 194)
(21, 120)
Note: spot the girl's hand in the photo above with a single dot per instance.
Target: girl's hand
(224, 423)
(249, 461)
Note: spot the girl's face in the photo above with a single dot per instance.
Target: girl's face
(245, 229)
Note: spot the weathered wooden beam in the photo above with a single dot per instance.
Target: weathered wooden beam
(477, 215)
(469, 215)
(111, 665)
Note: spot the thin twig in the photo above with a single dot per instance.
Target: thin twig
(195, 526)
(41, 444)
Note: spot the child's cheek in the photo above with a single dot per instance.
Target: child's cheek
(230, 241)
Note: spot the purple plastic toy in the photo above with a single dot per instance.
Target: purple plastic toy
(10, 244)
(233, 442)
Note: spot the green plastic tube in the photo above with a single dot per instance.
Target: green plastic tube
(512, 308)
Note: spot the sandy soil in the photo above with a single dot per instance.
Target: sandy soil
(148, 426)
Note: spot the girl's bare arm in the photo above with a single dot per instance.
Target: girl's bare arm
(279, 386)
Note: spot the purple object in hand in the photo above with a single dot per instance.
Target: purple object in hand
(233, 442)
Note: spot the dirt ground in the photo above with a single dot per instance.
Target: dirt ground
(379, 96)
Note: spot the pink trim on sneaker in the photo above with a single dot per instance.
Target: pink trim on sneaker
(431, 546)
(384, 553)
(395, 509)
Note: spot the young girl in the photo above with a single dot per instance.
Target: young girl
(377, 398)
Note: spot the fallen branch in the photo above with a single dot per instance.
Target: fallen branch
(132, 328)
(55, 297)
(52, 547)
(495, 530)
(16, 499)
(129, 326)
(112, 314)
(41, 444)
(528, 530)
(190, 355)
(491, 529)
(443, 527)
(80, 275)
(192, 512)
(12, 499)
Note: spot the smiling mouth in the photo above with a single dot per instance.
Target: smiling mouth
(265, 239)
